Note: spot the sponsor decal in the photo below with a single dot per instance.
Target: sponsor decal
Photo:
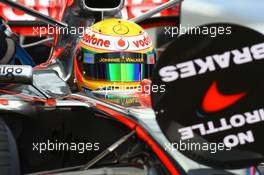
(224, 124)
(94, 40)
(214, 94)
(19, 74)
(117, 43)
(212, 63)
(122, 44)
(118, 57)
(10, 72)
(126, 102)
(121, 60)
(142, 42)
(214, 100)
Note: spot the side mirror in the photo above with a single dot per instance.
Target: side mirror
(16, 74)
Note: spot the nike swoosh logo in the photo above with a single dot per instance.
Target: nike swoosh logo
(215, 101)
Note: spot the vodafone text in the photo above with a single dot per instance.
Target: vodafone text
(92, 39)
(224, 124)
(116, 43)
(211, 63)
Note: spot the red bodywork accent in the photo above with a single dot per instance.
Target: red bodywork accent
(50, 102)
(52, 8)
(159, 24)
(4, 102)
(78, 72)
(215, 101)
(57, 8)
(144, 96)
(136, 7)
(253, 170)
(141, 133)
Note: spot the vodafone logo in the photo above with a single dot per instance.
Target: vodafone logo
(144, 42)
(94, 40)
(122, 44)
(116, 43)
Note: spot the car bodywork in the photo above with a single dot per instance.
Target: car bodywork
(41, 117)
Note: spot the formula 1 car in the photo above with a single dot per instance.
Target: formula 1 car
(47, 129)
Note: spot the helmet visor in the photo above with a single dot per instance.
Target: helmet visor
(118, 66)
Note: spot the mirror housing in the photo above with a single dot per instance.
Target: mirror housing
(105, 6)
(16, 74)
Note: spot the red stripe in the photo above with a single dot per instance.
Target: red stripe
(158, 24)
(253, 170)
(144, 136)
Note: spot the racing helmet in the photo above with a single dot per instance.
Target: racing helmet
(113, 53)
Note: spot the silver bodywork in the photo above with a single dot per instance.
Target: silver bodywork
(145, 117)
(52, 80)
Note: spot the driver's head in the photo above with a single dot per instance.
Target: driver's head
(113, 53)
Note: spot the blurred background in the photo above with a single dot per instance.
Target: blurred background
(244, 12)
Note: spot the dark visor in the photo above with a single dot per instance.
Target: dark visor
(118, 66)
